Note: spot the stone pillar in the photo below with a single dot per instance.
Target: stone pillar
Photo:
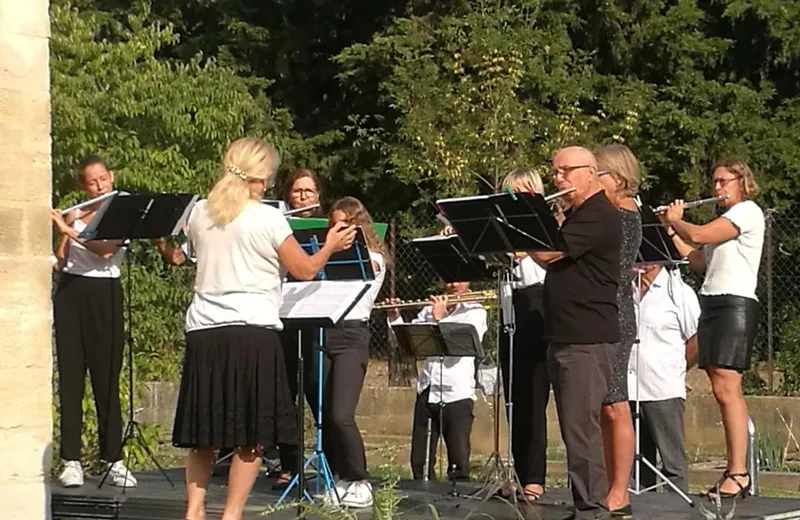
(25, 277)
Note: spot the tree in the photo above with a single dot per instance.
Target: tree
(162, 125)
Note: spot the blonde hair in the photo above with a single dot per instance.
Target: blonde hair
(357, 215)
(739, 168)
(524, 176)
(246, 160)
(620, 162)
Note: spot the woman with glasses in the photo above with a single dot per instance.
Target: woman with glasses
(730, 256)
(619, 178)
(302, 189)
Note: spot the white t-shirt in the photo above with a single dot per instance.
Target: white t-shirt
(528, 273)
(239, 276)
(82, 262)
(667, 315)
(732, 266)
(450, 378)
(362, 309)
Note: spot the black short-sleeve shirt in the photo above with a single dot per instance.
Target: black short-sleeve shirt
(580, 291)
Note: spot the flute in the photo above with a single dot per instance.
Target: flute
(556, 195)
(300, 210)
(89, 202)
(695, 203)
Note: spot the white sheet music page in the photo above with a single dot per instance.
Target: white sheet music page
(320, 299)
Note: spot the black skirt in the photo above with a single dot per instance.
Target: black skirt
(234, 390)
(727, 331)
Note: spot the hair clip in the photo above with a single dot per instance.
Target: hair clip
(237, 171)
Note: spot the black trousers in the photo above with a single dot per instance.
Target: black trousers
(455, 426)
(531, 382)
(346, 351)
(661, 430)
(580, 375)
(309, 338)
(90, 333)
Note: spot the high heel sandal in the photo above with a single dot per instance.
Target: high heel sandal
(743, 492)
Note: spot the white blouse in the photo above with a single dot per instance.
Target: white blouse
(239, 275)
(450, 378)
(82, 262)
(363, 308)
(528, 273)
(732, 266)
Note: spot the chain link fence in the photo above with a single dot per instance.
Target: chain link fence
(776, 360)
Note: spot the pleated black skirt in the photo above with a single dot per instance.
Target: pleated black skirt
(234, 390)
(727, 331)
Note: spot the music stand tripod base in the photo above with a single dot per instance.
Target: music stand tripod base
(656, 249)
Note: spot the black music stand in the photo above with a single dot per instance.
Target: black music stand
(658, 249)
(127, 217)
(502, 224)
(443, 339)
(321, 303)
(451, 261)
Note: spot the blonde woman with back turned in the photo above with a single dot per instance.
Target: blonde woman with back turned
(243, 249)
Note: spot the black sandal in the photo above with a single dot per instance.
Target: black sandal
(529, 496)
(743, 492)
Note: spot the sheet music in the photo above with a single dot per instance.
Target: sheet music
(320, 299)
(181, 223)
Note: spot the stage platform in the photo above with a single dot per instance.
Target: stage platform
(154, 499)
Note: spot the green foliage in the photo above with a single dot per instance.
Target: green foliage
(405, 101)
(162, 126)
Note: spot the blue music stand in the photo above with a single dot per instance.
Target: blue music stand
(353, 264)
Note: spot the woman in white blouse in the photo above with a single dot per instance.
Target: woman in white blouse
(234, 390)
(730, 257)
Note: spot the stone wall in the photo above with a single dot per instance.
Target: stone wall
(25, 244)
(384, 416)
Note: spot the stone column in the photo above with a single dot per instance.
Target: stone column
(25, 275)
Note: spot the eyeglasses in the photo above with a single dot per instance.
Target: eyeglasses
(566, 170)
(722, 181)
(308, 192)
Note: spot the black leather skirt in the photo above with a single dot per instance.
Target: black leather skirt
(727, 331)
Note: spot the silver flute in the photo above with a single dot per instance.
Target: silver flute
(695, 203)
(556, 195)
(300, 210)
(89, 202)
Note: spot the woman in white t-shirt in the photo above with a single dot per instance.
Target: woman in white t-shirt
(346, 349)
(234, 390)
(730, 257)
(89, 330)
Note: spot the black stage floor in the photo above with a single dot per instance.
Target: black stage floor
(154, 499)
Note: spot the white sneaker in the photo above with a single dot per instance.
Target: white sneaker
(72, 474)
(121, 476)
(337, 492)
(358, 494)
